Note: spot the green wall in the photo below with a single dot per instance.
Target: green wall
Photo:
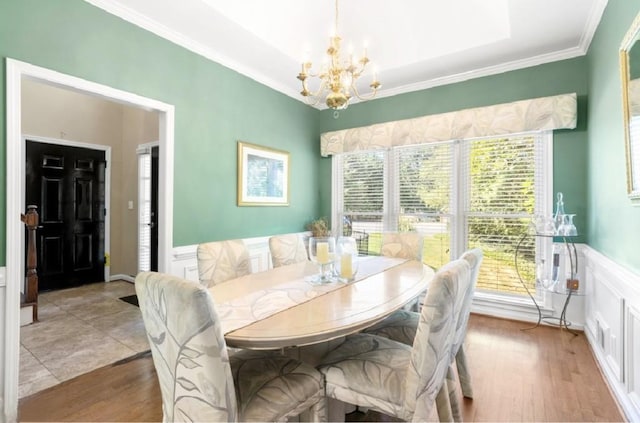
(569, 146)
(214, 108)
(614, 224)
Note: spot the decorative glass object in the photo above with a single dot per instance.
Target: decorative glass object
(346, 264)
(559, 215)
(542, 225)
(322, 251)
(548, 268)
(568, 228)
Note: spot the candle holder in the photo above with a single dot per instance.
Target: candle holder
(346, 264)
(322, 251)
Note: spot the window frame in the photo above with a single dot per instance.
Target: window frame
(543, 182)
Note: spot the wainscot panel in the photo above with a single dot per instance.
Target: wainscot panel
(612, 315)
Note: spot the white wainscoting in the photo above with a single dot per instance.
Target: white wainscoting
(612, 316)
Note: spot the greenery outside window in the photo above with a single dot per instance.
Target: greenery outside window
(459, 194)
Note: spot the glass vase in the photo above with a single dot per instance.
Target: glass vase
(346, 264)
(322, 251)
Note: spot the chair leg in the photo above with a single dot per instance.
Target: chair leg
(443, 404)
(451, 384)
(463, 373)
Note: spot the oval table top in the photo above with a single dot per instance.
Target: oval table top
(278, 308)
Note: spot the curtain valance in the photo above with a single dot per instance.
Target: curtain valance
(547, 113)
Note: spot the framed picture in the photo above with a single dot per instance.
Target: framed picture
(263, 176)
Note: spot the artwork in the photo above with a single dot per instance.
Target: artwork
(263, 176)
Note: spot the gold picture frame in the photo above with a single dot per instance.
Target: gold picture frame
(630, 78)
(263, 176)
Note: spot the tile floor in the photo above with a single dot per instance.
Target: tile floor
(79, 329)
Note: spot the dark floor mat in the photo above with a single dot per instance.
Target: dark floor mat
(131, 299)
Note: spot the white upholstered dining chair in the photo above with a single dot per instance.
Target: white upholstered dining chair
(406, 245)
(395, 378)
(222, 260)
(198, 380)
(287, 249)
(401, 326)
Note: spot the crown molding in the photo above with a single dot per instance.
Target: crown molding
(487, 71)
(163, 31)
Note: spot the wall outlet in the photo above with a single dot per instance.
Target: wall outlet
(573, 284)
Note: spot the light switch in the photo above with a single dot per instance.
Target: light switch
(130, 205)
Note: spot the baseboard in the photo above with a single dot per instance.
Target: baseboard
(123, 277)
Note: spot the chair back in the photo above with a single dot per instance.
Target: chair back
(188, 349)
(222, 260)
(474, 258)
(431, 353)
(406, 245)
(287, 249)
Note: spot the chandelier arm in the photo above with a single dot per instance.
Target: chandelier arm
(363, 97)
(314, 98)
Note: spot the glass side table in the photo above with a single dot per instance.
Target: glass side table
(571, 287)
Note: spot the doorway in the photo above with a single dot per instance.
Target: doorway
(68, 185)
(15, 198)
(148, 155)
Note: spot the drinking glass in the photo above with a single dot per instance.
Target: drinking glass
(569, 226)
(322, 251)
(346, 264)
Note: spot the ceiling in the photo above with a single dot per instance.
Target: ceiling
(412, 44)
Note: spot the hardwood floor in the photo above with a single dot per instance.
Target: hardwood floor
(536, 375)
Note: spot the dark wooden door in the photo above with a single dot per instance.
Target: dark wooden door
(154, 209)
(68, 186)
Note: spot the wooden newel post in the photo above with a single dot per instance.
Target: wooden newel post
(31, 221)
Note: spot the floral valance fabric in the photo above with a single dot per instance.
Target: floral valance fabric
(547, 113)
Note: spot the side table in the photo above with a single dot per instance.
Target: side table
(569, 288)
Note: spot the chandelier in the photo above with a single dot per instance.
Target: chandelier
(337, 77)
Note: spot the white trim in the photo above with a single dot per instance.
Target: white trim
(107, 200)
(160, 30)
(188, 43)
(122, 277)
(15, 71)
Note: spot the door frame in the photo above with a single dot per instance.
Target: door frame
(15, 162)
(107, 185)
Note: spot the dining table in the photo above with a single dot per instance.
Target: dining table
(285, 307)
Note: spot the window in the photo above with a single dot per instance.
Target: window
(458, 194)
(144, 209)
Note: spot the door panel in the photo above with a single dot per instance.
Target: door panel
(155, 153)
(67, 185)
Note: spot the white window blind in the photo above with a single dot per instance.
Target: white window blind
(144, 210)
(425, 175)
(458, 194)
(500, 184)
(363, 199)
